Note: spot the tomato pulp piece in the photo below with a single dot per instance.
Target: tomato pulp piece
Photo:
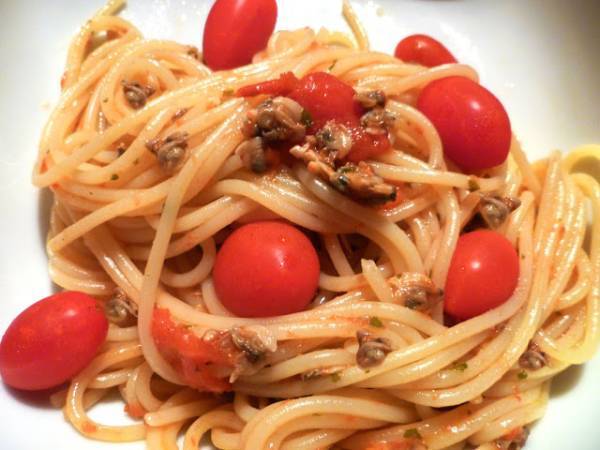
(200, 362)
(283, 85)
(327, 98)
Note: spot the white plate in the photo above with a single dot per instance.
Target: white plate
(540, 57)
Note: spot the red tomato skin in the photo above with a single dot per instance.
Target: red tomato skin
(236, 30)
(472, 123)
(283, 85)
(423, 50)
(266, 269)
(483, 274)
(327, 98)
(52, 341)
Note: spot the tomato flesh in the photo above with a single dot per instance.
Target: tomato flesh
(52, 341)
(236, 30)
(283, 85)
(424, 50)
(472, 123)
(366, 146)
(200, 362)
(483, 274)
(266, 269)
(327, 98)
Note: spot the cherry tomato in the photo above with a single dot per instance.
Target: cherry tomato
(424, 50)
(326, 97)
(483, 274)
(201, 362)
(283, 85)
(472, 123)
(236, 30)
(52, 341)
(266, 269)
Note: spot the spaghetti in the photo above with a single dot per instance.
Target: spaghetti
(124, 219)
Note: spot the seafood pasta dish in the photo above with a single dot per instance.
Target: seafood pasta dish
(288, 240)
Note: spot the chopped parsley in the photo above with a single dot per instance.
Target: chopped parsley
(114, 177)
(522, 375)
(412, 433)
(335, 377)
(473, 185)
(330, 68)
(376, 322)
(461, 366)
(228, 92)
(306, 118)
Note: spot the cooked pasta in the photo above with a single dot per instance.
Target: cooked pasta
(139, 230)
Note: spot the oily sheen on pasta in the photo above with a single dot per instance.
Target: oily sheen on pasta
(129, 225)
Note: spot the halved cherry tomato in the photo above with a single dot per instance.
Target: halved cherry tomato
(266, 269)
(283, 85)
(472, 123)
(326, 98)
(236, 30)
(483, 274)
(52, 341)
(201, 362)
(424, 50)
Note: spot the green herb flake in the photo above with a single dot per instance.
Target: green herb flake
(473, 185)
(522, 375)
(461, 366)
(228, 92)
(330, 68)
(105, 100)
(306, 118)
(114, 177)
(335, 377)
(376, 322)
(412, 433)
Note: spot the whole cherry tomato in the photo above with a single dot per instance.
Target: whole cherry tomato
(52, 341)
(472, 123)
(483, 274)
(424, 50)
(236, 30)
(266, 269)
